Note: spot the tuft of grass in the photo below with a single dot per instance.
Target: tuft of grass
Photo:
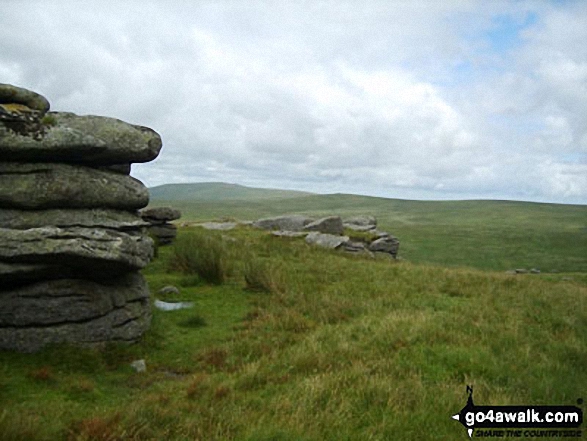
(198, 385)
(263, 276)
(49, 120)
(202, 254)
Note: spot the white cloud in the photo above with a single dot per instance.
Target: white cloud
(406, 99)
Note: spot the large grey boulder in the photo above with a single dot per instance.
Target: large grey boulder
(386, 244)
(93, 249)
(39, 186)
(327, 225)
(66, 137)
(74, 311)
(89, 218)
(293, 222)
(13, 94)
(326, 240)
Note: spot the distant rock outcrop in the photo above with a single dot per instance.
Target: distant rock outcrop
(159, 226)
(71, 240)
(328, 232)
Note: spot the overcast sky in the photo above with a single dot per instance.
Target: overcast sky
(403, 99)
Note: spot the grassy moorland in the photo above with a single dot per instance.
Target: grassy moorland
(491, 235)
(288, 342)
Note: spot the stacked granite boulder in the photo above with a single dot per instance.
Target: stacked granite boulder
(71, 240)
(158, 219)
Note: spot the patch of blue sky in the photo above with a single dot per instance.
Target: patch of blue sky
(504, 35)
(488, 49)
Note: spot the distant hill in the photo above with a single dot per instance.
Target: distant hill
(218, 191)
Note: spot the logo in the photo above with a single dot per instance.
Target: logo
(518, 421)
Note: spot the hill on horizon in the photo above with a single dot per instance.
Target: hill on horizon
(218, 191)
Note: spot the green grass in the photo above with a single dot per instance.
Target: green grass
(490, 235)
(347, 348)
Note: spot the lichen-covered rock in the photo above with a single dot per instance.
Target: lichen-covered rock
(88, 139)
(326, 225)
(95, 250)
(38, 186)
(74, 311)
(89, 218)
(286, 223)
(10, 94)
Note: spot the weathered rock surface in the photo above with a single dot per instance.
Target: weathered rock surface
(17, 95)
(160, 228)
(38, 186)
(360, 223)
(355, 247)
(12, 274)
(85, 139)
(77, 247)
(388, 244)
(74, 311)
(325, 240)
(327, 225)
(287, 223)
(160, 214)
(89, 218)
(64, 300)
(163, 234)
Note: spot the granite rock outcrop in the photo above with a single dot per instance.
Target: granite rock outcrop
(71, 239)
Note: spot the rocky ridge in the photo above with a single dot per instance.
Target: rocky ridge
(71, 239)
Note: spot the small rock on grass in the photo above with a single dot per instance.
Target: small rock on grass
(139, 365)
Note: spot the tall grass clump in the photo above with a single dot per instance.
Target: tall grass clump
(263, 276)
(202, 254)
